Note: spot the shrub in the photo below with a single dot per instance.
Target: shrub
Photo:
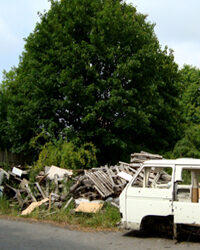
(189, 145)
(66, 155)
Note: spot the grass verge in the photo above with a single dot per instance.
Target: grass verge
(105, 219)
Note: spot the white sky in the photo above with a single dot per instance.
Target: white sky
(177, 25)
(17, 20)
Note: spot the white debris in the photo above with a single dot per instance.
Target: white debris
(60, 172)
(125, 176)
(17, 171)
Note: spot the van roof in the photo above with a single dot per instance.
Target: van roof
(180, 161)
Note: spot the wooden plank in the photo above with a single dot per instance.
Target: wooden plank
(99, 186)
(56, 183)
(47, 187)
(109, 172)
(73, 188)
(40, 190)
(97, 182)
(105, 181)
(68, 203)
(17, 195)
(30, 192)
(99, 191)
(14, 176)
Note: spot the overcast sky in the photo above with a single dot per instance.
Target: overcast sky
(177, 25)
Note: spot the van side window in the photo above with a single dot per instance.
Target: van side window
(139, 180)
(188, 189)
(153, 177)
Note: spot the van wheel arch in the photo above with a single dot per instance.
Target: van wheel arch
(154, 223)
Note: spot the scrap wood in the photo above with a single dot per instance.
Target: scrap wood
(144, 154)
(96, 183)
(17, 195)
(23, 184)
(138, 158)
(68, 202)
(114, 204)
(47, 187)
(41, 178)
(1, 177)
(14, 176)
(33, 205)
(93, 185)
(101, 182)
(30, 192)
(49, 208)
(81, 178)
(17, 171)
(125, 176)
(61, 172)
(56, 183)
(99, 185)
(40, 190)
(82, 200)
(89, 207)
(64, 195)
(54, 212)
(104, 182)
(3, 172)
(55, 197)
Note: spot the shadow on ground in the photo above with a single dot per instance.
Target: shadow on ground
(188, 235)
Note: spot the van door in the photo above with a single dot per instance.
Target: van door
(186, 205)
(150, 193)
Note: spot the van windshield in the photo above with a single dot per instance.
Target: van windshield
(153, 177)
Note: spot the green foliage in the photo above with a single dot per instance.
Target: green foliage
(186, 175)
(190, 98)
(189, 145)
(96, 68)
(76, 158)
(4, 205)
(6, 209)
(4, 101)
(66, 155)
(106, 218)
(39, 140)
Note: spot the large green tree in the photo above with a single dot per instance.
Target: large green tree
(5, 99)
(94, 70)
(189, 144)
(190, 99)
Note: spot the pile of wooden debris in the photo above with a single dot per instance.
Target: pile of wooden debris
(139, 158)
(104, 182)
(50, 186)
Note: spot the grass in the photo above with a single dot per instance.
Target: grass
(6, 208)
(105, 219)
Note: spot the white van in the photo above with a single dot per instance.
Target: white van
(152, 192)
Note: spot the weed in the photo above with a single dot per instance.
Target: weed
(106, 218)
(4, 205)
